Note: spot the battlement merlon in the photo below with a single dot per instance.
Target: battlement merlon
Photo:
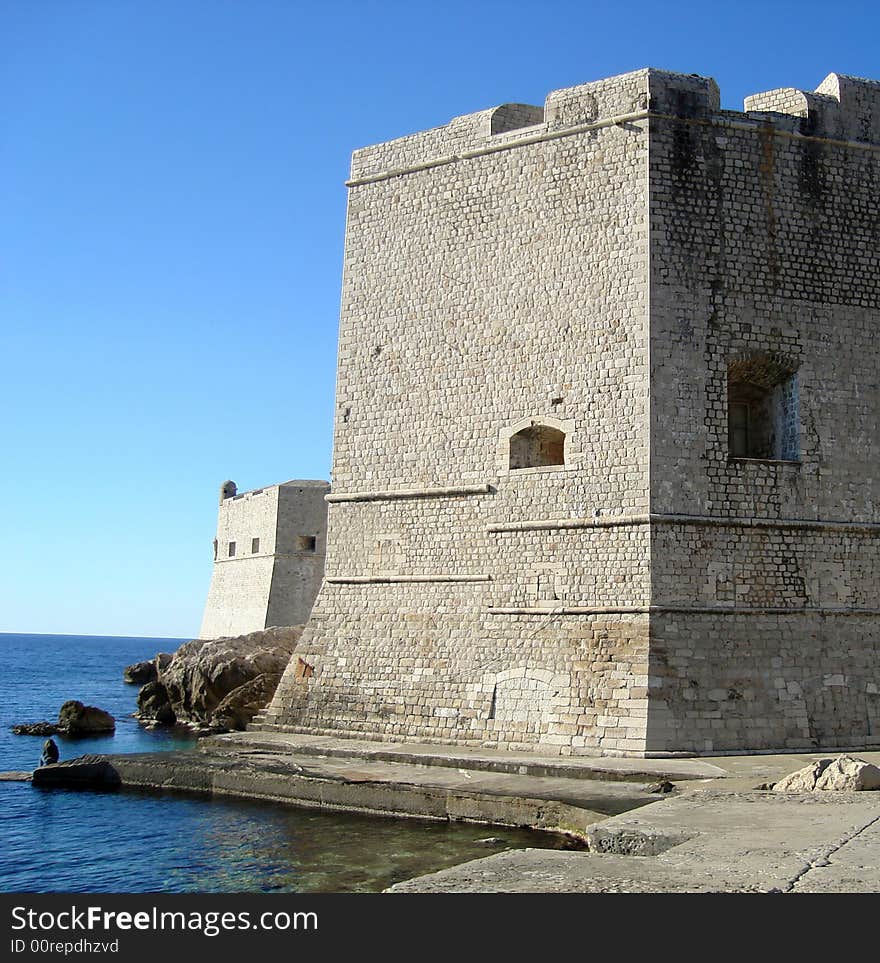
(842, 108)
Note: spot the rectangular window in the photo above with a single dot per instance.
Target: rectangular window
(763, 408)
(231, 552)
(305, 543)
(255, 546)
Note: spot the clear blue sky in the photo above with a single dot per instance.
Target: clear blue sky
(171, 182)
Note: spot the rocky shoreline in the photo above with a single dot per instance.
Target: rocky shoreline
(207, 686)
(216, 685)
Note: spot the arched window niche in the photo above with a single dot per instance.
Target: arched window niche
(535, 443)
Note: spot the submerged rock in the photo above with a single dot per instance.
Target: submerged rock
(219, 683)
(843, 774)
(35, 729)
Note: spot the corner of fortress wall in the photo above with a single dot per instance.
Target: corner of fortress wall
(580, 282)
(268, 557)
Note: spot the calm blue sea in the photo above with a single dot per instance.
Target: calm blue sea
(62, 841)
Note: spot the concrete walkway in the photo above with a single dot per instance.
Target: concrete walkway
(703, 841)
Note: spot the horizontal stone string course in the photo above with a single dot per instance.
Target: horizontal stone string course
(553, 524)
(680, 609)
(389, 579)
(383, 496)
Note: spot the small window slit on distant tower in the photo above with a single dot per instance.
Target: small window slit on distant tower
(255, 546)
(231, 551)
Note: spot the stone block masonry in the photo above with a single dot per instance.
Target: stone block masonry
(268, 557)
(605, 470)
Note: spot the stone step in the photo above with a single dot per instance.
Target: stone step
(271, 738)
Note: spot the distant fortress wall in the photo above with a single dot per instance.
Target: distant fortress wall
(268, 557)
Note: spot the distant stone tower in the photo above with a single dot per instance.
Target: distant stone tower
(268, 557)
(605, 470)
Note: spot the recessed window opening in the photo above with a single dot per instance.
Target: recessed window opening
(255, 546)
(537, 446)
(305, 543)
(231, 550)
(763, 409)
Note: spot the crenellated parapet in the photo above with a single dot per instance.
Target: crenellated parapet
(841, 108)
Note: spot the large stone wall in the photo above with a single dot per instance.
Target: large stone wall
(268, 558)
(765, 241)
(604, 269)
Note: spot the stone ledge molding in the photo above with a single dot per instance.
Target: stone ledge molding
(390, 579)
(707, 521)
(381, 496)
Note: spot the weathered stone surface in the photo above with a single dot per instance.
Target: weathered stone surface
(87, 770)
(220, 683)
(844, 773)
(140, 672)
(849, 774)
(237, 708)
(75, 719)
(154, 704)
(803, 780)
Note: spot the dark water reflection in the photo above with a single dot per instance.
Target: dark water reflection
(139, 842)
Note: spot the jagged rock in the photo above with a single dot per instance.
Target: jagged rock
(76, 719)
(237, 708)
(804, 780)
(201, 674)
(842, 773)
(847, 773)
(141, 672)
(154, 704)
(162, 659)
(35, 729)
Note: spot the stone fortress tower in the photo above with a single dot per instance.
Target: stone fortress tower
(268, 557)
(606, 446)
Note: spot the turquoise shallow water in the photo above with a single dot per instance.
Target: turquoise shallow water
(55, 840)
